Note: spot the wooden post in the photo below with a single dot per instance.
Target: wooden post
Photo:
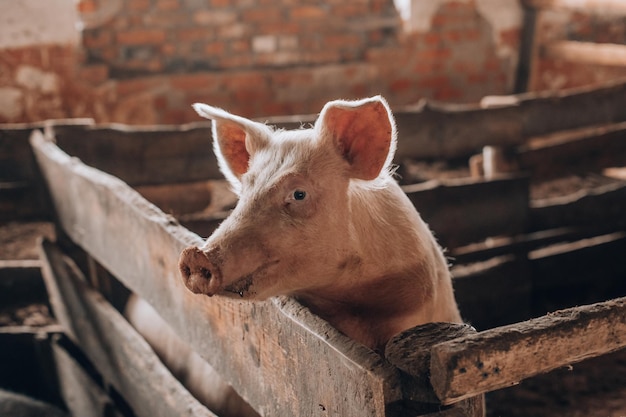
(501, 357)
(410, 351)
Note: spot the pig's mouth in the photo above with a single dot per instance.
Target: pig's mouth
(241, 286)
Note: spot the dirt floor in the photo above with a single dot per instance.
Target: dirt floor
(594, 388)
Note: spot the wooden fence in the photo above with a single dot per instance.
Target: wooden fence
(282, 359)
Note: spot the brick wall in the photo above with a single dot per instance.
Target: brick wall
(602, 23)
(146, 61)
(176, 36)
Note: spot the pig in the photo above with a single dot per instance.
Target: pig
(321, 218)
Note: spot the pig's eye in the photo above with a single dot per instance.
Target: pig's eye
(299, 195)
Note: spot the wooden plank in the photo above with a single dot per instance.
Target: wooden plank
(579, 150)
(501, 285)
(608, 54)
(410, 352)
(553, 111)
(577, 273)
(120, 355)
(600, 207)
(200, 197)
(144, 155)
(445, 131)
(603, 6)
(462, 211)
(502, 357)
(520, 244)
(262, 349)
(81, 394)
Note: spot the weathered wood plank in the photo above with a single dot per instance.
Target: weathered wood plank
(501, 357)
(410, 352)
(520, 244)
(501, 285)
(590, 148)
(586, 52)
(577, 273)
(192, 198)
(604, 6)
(468, 210)
(550, 111)
(262, 349)
(144, 155)
(120, 355)
(81, 394)
(600, 207)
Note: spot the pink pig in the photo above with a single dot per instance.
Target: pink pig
(321, 218)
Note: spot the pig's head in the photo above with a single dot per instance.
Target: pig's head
(292, 230)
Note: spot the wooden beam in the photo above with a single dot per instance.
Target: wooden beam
(601, 207)
(604, 6)
(261, 348)
(144, 155)
(502, 357)
(410, 352)
(462, 211)
(120, 355)
(607, 54)
(81, 394)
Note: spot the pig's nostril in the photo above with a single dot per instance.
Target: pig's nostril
(186, 271)
(205, 273)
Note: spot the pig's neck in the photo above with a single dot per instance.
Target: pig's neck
(402, 279)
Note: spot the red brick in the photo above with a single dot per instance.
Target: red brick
(265, 14)
(194, 34)
(245, 80)
(137, 85)
(138, 5)
(400, 85)
(215, 48)
(340, 41)
(190, 82)
(167, 4)
(308, 12)
(87, 6)
(432, 39)
(436, 82)
(350, 10)
(214, 17)
(236, 61)
(141, 37)
(94, 74)
(239, 46)
(286, 28)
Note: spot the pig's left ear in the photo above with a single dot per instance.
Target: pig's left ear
(364, 133)
(235, 139)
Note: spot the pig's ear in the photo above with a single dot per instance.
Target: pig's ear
(234, 140)
(363, 132)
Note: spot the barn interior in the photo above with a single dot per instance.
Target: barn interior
(511, 119)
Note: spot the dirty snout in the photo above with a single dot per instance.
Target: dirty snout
(200, 270)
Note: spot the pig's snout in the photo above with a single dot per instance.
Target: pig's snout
(200, 273)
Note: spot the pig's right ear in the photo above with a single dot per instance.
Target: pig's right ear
(235, 139)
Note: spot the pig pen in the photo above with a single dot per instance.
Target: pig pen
(519, 253)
